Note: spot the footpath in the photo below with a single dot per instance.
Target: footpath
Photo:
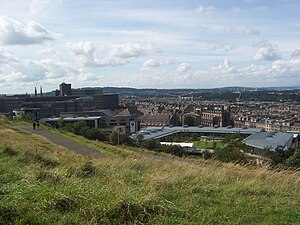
(69, 144)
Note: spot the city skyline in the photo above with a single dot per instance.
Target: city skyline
(148, 44)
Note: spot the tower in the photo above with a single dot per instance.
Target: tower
(35, 92)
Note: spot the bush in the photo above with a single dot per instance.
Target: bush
(95, 134)
(8, 150)
(64, 203)
(233, 152)
(125, 139)
(87, 170)
(294, 159)
(132, 212)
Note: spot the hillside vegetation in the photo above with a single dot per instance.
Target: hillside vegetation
(41, 183)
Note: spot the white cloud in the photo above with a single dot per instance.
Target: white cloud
(223, 68)
(261, 43)
(220, 47)
(48, 51)
(265, 50)
(133, 50)
(13, 32)
(38, 6)
(84, 48)
(267, 53)
(206, 11)
(183, 68)
(296, 54)
(117, 55)
(229, 29)
(252, 31)
(151, 63)
(7, 57)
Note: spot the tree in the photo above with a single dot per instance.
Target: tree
(151, 144)
(60, 122)
(294, 160)
(80, 128)
(95, 134)
(233, 152)
(189, 120)
(117, 138)
(139, 139)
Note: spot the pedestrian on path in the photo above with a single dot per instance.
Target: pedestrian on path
(37, 124)
(33, 125)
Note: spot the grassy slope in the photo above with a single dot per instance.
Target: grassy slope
(45, 184)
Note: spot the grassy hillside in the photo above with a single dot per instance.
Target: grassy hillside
(41, 183)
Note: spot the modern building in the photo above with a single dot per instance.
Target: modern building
(271, 140)
(254, 137)
(159, 132)
(91, 121)
(66, 99)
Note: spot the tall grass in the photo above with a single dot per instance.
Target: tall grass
(46, 184)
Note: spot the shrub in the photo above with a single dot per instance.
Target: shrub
(95, 134)
(52, 177)
(233, 152)
(87, 170)
(294, 159)
(64, 203)
(132, 212)
(8, 150)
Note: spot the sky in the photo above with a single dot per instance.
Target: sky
(148, 43)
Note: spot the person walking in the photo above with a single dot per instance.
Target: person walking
(37, 124)
(33, 125)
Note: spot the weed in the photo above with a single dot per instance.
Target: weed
(87, 170)
(8, 215)
(8, 150)
(30, 157)
(52, 177)
(133, 212)
(64, 203)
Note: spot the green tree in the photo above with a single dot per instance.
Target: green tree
(294, 160)
(80, 128)
(139, 139)
(60, 122)
(233, 152)
(114, 138)
(95, 134)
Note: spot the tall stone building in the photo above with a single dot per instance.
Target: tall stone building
(215, 115)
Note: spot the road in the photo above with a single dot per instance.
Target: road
(69, 144)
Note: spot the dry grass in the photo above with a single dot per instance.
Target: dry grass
(47, 184)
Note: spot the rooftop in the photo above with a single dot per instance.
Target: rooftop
(160, 132)
(270, 140)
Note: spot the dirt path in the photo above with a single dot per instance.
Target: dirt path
(69, 144)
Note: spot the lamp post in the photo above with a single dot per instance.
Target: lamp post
(118, 135)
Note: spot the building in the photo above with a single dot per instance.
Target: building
(65, 89)
(212, 115)
(9, 103)
(111, 101)
(127, 118)
(271, 140)
(160, 133)
(91, 121)
(156, 120)
(65, 100)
